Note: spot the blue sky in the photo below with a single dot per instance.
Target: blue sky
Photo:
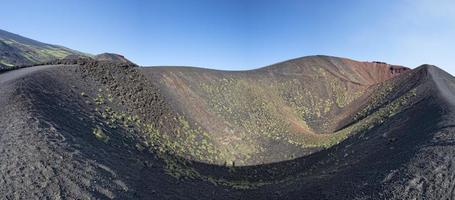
(242, 34)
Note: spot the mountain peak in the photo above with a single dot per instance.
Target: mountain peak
(112, 57)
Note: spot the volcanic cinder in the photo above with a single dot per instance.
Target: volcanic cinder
(316, 127)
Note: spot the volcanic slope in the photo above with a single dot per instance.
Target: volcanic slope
(276, 113)
(16, 50)
(106, 130)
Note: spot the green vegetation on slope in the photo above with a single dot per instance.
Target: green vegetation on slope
(18, 51)
(174, 151)
(190, 142)
(276, 113)
(264, 107)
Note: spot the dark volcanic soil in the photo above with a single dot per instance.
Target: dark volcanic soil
(101, 130)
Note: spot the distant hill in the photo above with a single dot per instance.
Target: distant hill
(16, 50)
(112, 57)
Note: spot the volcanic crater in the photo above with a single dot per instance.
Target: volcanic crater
(316, 127)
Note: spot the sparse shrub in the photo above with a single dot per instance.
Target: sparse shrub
(100, 135)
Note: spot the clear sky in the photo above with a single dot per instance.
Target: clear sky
(242, 34)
